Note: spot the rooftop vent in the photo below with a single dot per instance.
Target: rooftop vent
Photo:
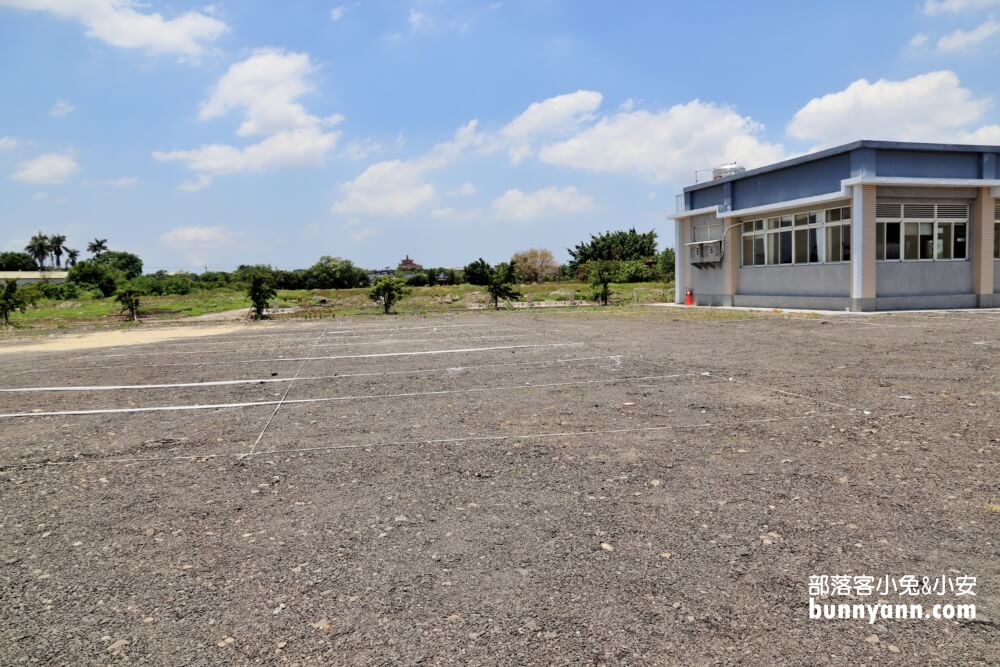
(724, 170)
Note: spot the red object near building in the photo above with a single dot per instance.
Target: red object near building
(689, 297)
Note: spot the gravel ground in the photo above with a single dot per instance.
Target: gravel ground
(501, 488)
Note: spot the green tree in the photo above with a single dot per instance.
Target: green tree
(102, 276)
(10, 301)
(97, 246)
(38, 248)
(501, 284)
(619, 245)
(335, 273)
(72, 256)
(17, 261)
(57, 246)
(128, 296)
(260, 293)
(387, 291)
(665, 263)
(478, 272)
(129, 264)
(600, 273)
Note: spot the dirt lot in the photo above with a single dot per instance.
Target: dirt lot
(509, 488)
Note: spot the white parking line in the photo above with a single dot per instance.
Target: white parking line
(361, 397)
(223, 383)
(285, 347)
(460, 350)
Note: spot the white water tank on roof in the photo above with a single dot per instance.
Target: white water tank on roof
(729, 169)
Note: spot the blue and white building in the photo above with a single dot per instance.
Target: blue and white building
(870, 225)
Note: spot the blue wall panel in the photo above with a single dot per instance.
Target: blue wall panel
(923, 164)
(713, 196)
(804, 180)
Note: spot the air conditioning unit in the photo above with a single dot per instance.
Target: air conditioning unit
(705, 253)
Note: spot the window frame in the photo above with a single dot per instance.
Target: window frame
(937, 224)
(811, 225)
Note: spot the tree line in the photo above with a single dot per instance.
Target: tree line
(612, 257)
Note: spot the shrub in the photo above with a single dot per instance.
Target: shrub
(260, 293)
(478, 272)
(417, 280)
(100, 275)
(388, 290)
(633, 271)
(128, 296)
(130, 265)
(17, 261)
(617, 246)
(535, 265)
(10, 301)
(600, 273)
(500, 286)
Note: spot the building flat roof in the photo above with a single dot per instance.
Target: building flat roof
(847, 148)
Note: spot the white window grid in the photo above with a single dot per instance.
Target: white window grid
(948, 223)
(765, 239)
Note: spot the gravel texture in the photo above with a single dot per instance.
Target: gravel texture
(631, 487)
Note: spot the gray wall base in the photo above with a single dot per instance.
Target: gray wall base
(725, 300)
(804, 302)
(925, 301)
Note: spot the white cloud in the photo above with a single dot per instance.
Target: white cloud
(961, 40)
(517, 206)
(338, 12)
(919, 40)
(933, 7)
(418, 20)
(927, 107)
(122, 23)
(665, 146)
(122, 183)
(361, 149)
(465, 190)
(8, 144)
(265, 88)
(556, 116)
(60, 109)
(395, 188)
(47, 169)
(198, 237)
(988, 135)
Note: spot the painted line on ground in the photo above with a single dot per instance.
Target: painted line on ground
(222, 383)
(272, 349)
(460, 350)
(329, 399)
(438, 441)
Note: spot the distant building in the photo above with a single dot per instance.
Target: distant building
(408, 264)
(28, 277)
(870, 225)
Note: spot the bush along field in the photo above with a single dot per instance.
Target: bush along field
(612, 269)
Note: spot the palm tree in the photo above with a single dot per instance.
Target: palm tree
(57, 246)
(97, 246)
(71, 256)
(38, 248)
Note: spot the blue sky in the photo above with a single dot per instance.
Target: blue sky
(262, 132)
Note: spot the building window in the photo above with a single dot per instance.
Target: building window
(810, 237)
(996, 230)
(708, 232)
(926, 232)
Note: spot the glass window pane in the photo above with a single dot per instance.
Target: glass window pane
(926, 240)
(996, 240)
(786, 221)
(945, 243)
(911, 241)
(758, 225)
(845, 240)
(833, 215)
(747, 258)
(801, 219)
(814, 218)
(772, 223)
(961, 241)
(833, 244)
(892, 240)
(801, 246)
(748, 226)
(758, 250)
(786, 246)
(880, 241)
(845, 213)
(814, 253)
(773, 245)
